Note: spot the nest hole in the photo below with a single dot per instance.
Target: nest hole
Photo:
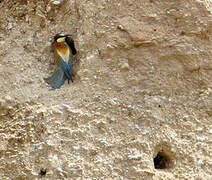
(43, 172)
(162, 161)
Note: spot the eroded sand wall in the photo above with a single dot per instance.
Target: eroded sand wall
(142, 86)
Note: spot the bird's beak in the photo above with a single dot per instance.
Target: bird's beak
(68, 35)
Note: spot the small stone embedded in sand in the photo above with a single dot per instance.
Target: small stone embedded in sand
(41, 110)
(9, 98)
(56, 2)
(121, 27)
(64, 107)
(56, 110)
(125, 66)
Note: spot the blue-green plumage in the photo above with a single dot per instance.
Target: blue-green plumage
(67, 68)
(57, 79)
(62, 46)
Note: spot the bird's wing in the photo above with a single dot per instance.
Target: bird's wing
(57, 79)
(71, 45)
(67, 68)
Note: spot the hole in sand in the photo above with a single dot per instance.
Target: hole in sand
(43, 172)
(162, 161)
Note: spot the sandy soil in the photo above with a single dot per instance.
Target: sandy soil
(140, 106)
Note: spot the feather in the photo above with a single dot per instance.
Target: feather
(67, 68)
(57, 79)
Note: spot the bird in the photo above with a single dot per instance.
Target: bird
(63, 46)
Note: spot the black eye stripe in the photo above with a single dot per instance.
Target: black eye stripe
(62, 35)
(68, 40)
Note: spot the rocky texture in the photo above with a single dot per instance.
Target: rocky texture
(142, 86)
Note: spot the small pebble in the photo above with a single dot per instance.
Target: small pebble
(125, 66)
(56, 2)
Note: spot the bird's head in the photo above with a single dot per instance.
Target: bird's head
(67, 40)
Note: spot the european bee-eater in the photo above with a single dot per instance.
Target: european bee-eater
(63, 47)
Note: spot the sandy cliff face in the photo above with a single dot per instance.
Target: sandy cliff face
(140, 106)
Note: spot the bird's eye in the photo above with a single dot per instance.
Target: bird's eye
(60, 40)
